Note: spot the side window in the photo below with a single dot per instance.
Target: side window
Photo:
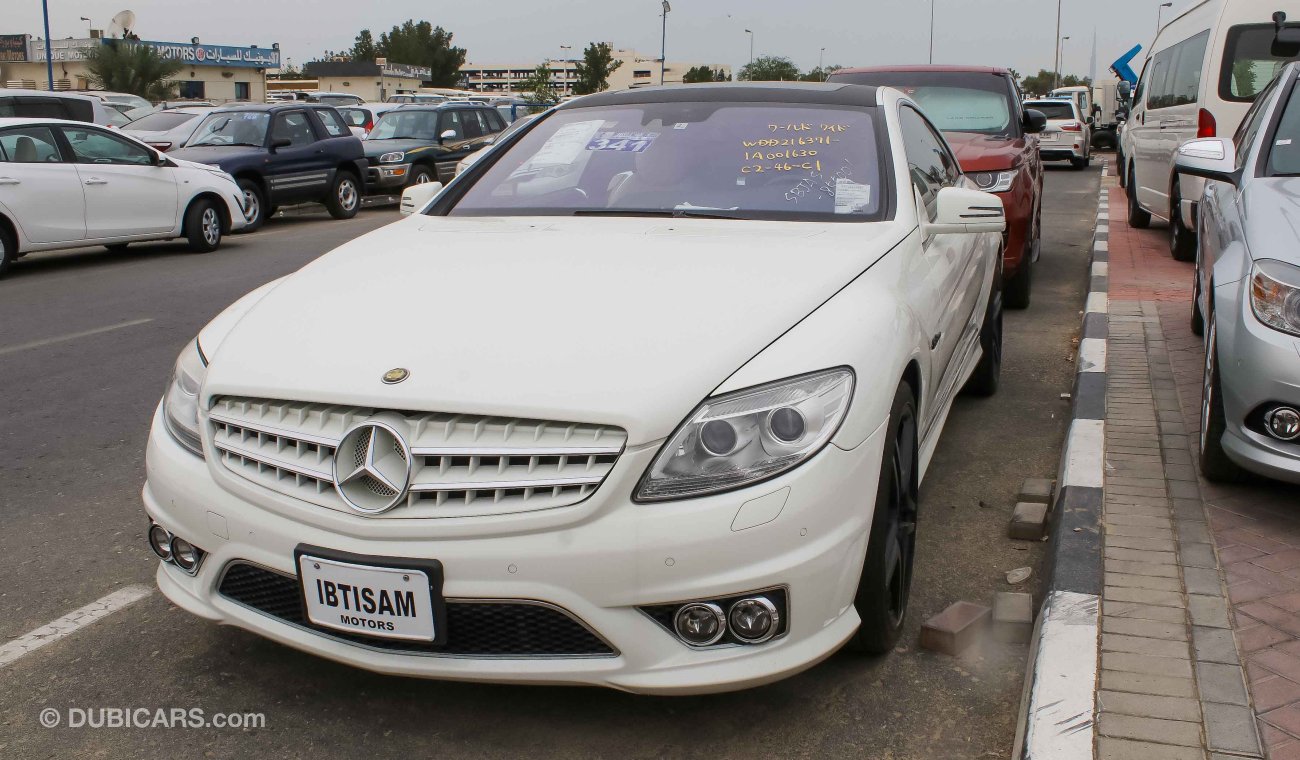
(28, 145)
(91, 146)
(355, 117)
(451, 120)
(81, 110)
(1251, 124)
(1141, 88)
(929, 164)
(334, 126)
(474, 126)
(1187, 72)
(294, 127)
(494, 120)
(7, 108)
(1159, 89)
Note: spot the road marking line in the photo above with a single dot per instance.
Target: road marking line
(71, 623)
(72, 336)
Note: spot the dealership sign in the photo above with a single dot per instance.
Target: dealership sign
(13, 47)
(215, 55)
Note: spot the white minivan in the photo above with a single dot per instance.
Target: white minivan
(1204, 71)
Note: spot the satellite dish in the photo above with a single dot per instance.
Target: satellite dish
(122, 25)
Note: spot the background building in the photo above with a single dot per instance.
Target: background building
(372, 81)
(218, 73)
(636, 71)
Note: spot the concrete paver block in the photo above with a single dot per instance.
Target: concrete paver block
(956, 628)
(1028, 521)
(1036, 491)
(1013, 616)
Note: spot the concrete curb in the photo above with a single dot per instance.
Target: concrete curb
(1059, 701)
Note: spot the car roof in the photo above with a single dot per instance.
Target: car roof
(270, 107)
(450, 105)
(20, 121)
(819, 93)
(47, 93)
(923, 67)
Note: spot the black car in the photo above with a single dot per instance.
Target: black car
(423, 143)
(283, 154)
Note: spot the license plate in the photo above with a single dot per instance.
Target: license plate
(1049, 138)
(386, 602)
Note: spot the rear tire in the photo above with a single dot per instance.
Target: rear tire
(885, 586)
(984, 380)
(1080, 163)
(1137, 218)
(1197, 320)
(1182, 243)
(8, 250)
(1215, 464)
(116, 247)
(203, 226)
(344, 199)
(1016, 291)
(255, 207)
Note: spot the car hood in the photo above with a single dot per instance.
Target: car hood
(614, 321)
(986, 153)
(377, 148)
(1272, 218)
(213, 154)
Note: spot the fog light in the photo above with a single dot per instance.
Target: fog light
(1283, 423)
(161, 542)
(753, 620)
(184, 554)
(700, 623)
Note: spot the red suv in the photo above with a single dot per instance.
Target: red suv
(979, 111)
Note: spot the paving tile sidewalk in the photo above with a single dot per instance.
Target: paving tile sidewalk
(1174, 645)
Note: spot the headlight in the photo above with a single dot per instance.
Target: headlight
(1275, 295)
(740, 438)
(392, 158)
(994, 182)
(181, 402)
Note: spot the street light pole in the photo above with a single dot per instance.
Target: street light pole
(1060, 53)
(751, 46)
(1057, 68)
(49, 56)
(663, 48)
(1160, 12)
(821, 59)
(932, 4)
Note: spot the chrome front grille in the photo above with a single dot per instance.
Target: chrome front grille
(463, 465)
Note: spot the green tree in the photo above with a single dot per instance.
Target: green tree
(364, 48)
(769, 68)
(423, 44)
(594, 69)
(537, 87)
(697, 74)
(820, 73)
(136, 69)
(1044, 81)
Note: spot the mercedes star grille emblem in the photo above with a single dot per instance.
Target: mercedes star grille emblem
(372, 467)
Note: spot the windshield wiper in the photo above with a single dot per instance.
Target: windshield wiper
(701, 213)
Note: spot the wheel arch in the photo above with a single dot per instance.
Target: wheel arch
(217, 201)
(10, 227)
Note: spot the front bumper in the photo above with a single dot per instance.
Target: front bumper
(386, 176)
(612, 557)
(1257, 365)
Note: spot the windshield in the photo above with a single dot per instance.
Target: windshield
(1284, 153)
(160, 121)
(729, 160)
(1248, 62)
(953, 101)
(402, 125)
(234, 128)
(1060, 110)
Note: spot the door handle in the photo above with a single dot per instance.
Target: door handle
(934, 342)
(96, 181)
(10, 181)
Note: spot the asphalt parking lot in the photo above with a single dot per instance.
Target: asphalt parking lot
(87, 340)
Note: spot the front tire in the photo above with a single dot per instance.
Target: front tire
(886, 582)
(1016, 290)
(8, 250)
(420, 175)
(344, 199)
(1215, 464)
(1137, 218)
(203, 226)
(254, 205)
(984, 380)
(116, 247)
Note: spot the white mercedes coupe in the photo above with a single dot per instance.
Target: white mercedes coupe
(643, 399)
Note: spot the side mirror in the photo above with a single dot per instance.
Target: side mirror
(1034, 121)
(960, 210)
(280, 142)
(416, 197)
(447, 135)
(1212, 158)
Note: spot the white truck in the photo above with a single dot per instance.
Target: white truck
(1103, 104)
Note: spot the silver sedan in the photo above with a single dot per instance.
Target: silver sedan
(1247, 301)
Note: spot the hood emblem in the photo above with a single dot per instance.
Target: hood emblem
(372, 467)
(396, 375)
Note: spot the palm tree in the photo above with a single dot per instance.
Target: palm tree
(136, 69)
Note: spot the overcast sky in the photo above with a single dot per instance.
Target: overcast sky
(1015, 33)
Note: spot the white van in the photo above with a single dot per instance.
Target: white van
(1204, 71)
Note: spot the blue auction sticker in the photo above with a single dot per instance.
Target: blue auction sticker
(625, 142)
